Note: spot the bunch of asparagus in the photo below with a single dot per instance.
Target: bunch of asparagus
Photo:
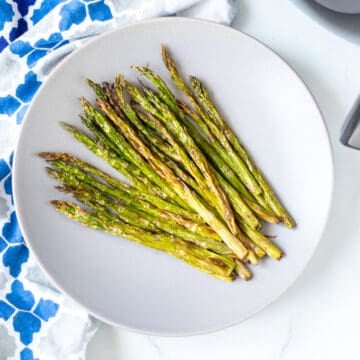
(193, 191)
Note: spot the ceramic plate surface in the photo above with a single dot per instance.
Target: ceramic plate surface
(267, 105)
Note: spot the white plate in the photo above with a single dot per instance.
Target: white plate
(138, 288)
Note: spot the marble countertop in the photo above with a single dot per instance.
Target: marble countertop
(318, 317)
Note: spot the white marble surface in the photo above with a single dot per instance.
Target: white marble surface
(318, 318)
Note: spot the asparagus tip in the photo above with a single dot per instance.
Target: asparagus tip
(45, 155)
(165, 55)
(137, 68)
(66, 126)
(289, 222)
(52, 172)
(63, 124)
(56, 203)
(193, 78)
(50, 156)
(83, 101)
(98, 90)
(90, 82)
(164, 50)
(64, 188)
(120, 80)
(196, 84)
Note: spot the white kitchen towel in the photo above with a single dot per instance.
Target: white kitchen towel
(36, 320)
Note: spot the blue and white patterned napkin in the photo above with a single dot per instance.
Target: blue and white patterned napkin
(37, 321)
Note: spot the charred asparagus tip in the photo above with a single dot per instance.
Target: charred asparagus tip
(57, 203)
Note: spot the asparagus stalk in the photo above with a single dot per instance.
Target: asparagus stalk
(254, 251)
(182, 190)
(241, 168)
(156, 125)
(224, 153)
(167, 96)
(258, 206)
(235, 200)
(238, 204)
(133, 116)
(152, 122)
(242, 205)
(204, 146)
(207, 261)
(180, 173)
(179, 132)
(179, 154)
(129, 152)
(259, 252)
(243, 271)
(75, 177)
(137, 217)
(219, 142)
(178, 194)
(124, 110)
(223, 169)
(274, 203)
(105, 148)
(128, 170)
(172, 161)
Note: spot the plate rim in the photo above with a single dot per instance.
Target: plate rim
(330, 160)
